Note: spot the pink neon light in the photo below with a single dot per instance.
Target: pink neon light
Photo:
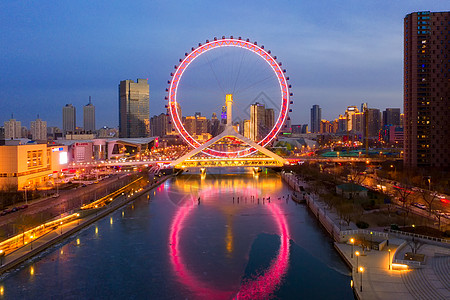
(284, 89)
(260, 287)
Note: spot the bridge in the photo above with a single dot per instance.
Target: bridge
(254, 155)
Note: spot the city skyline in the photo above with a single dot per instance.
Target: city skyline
(333, 60)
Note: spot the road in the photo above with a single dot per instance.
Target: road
(40, 210)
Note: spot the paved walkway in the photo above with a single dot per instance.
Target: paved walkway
(431, 281)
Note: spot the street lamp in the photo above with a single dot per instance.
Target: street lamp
(60, 223)
(2, 254)
(389, 267)
(361, 270)
(357, 257)
(31, 241)
(352, 241)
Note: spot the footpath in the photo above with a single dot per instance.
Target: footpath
(65, 230)
(386, 274)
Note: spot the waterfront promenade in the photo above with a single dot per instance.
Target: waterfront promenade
(430, 280)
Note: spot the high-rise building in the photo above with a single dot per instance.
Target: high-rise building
(257, 121)
(349, 112)
(13, 129)
(158, 125)
(190, 123)
(38, 130)
(426, 89)
(270, 119)
(223, 115)
(316, 117)
(201, 124)
(89, 117)
(134, 108)
(69, 118)
(391, 116)
(247, 129)
(374, 122)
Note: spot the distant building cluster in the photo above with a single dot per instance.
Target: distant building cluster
(423, 129)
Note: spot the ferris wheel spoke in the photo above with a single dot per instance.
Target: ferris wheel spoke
(253, 84)
(214, 73)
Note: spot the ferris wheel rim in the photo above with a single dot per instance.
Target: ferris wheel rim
(219, 43)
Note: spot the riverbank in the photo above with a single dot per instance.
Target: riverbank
(385, 273)
(64, 231)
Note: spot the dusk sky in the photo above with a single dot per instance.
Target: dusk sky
(337, 53)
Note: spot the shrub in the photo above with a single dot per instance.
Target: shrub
(362, 225)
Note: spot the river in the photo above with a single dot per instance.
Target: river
(219, 236)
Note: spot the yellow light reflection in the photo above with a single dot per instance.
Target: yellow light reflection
(62, 251)
(229, 235)
(2, 290)
(78, 242)
(96, 230)
(111, 220)
(31, 270)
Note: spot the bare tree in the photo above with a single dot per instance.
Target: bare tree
(404, 196)
(428, 198)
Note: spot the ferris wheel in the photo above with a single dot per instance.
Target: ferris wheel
(283, 94)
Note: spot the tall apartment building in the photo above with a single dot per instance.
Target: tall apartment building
(316, 117)
(374, 122)
(13, 129)
(134, 118)
(391, 116)
(89, 117)
(426, 89)
(158, 125)
(349, 112)
(69, 118)
(190, 123)
(38, 130)
(258, 126)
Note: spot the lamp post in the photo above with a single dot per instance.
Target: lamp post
(352, 240)
(2, 254)
(361, 270)
(31, 242)
(60, 223)
(389, 267)
(357, 257)
(371, 239)
(26, 199)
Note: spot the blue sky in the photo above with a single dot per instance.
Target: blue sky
(337, 53)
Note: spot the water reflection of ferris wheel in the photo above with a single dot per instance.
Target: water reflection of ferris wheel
(228, 66)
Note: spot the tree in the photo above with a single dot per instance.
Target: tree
(428, 198)
(404, 197)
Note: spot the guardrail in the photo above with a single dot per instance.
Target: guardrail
(364, 231)
(413, 263)
(420, 236)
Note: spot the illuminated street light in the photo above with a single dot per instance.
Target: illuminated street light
(352, 241)
(2, 254)
(357, 264)
(389, 267)
(361, 270)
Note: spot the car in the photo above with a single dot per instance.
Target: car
(23, 206)
(83, 185)
(420, 205)
(14, 209)
(55, 195)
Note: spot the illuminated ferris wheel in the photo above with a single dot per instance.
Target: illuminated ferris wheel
(283, 94)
